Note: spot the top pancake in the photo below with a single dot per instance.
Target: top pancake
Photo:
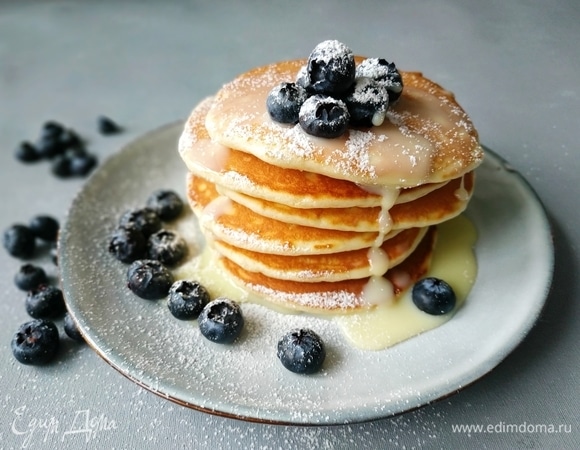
(426, 138)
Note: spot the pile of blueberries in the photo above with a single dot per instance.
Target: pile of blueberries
(63, 147)
(37, 341)
(331, 93)
(140, 240)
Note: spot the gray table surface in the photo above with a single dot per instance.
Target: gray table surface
(514, 66)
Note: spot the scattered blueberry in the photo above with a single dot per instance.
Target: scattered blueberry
(167, 247)
(30, 277)
(284, 102)
(149, 279)
(71, 329)
(187, 299)
(71, 140)
(367, 102)
(26, 152)
(384, 72)
(45, 301)
(19, 241)
(51, 128)
(60, 166)
(433, 296)
(128, 244)
(145, 220)
(81, 164)
(323, 116)
(166, 203)
(301, 351)
(36, 342)
(107, 126)
(330, 69)
(221, 321)
(44, 227)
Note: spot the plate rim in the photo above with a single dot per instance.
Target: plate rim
(499, 357)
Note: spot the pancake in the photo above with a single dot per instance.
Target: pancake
(426, 137)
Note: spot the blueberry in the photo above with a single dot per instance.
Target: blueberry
(82, 163)
(71, 140)
(128, 244)
(30, 277)
(61, 166)
(221, 321)
(51, 128)
(26, 152)
(45, 301)
(384, 72)
(367, 102)
(36, 342)
(107, 126)
(19, 241)
(44, 227)
(284, 102)
(149, 279)
(166, 203)
(187, 299)
(145, 220)
(323, 116)
(49, 146)
(330, 69)
(301, 351)
(71, 329)
(433, 296)
(167, 247)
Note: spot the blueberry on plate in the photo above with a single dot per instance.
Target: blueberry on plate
(384, 72)
(433, 296)
(19, 241)
(301, 351)
(166, 203)
(166, 246)
(107, 126)
(324, 116)
(284, 102)
(330, 68)
(128, 244)
(187, 299)
(367, 102)
(26, 152)
(221, 321)
(44, 301)
(44, 227)
(149, 279)
(71, 329)
(146, 220)
(36, 342)
(30, 277)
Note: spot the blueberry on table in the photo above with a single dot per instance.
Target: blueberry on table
(324, 116)
(60, 166)
(30, 277)
(330, 68)
(301, 351)
(81, 164)
(187, 299)
(146, 220)
(44, 227)
(36, 342)
(26, 152)
(71, 329)
(149, 279)
(221, 321)
(367, 102)
(44, 301)
(167, 247)
(107, 126)
(19, 241)
(433, 296)
(128, 244)
(284, 102)
(385, 73)
(166, 203)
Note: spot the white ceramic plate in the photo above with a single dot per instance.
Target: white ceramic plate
(144, 342)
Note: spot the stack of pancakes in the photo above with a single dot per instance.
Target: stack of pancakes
(326, 225)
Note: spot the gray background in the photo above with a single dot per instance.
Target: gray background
(514, 66)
